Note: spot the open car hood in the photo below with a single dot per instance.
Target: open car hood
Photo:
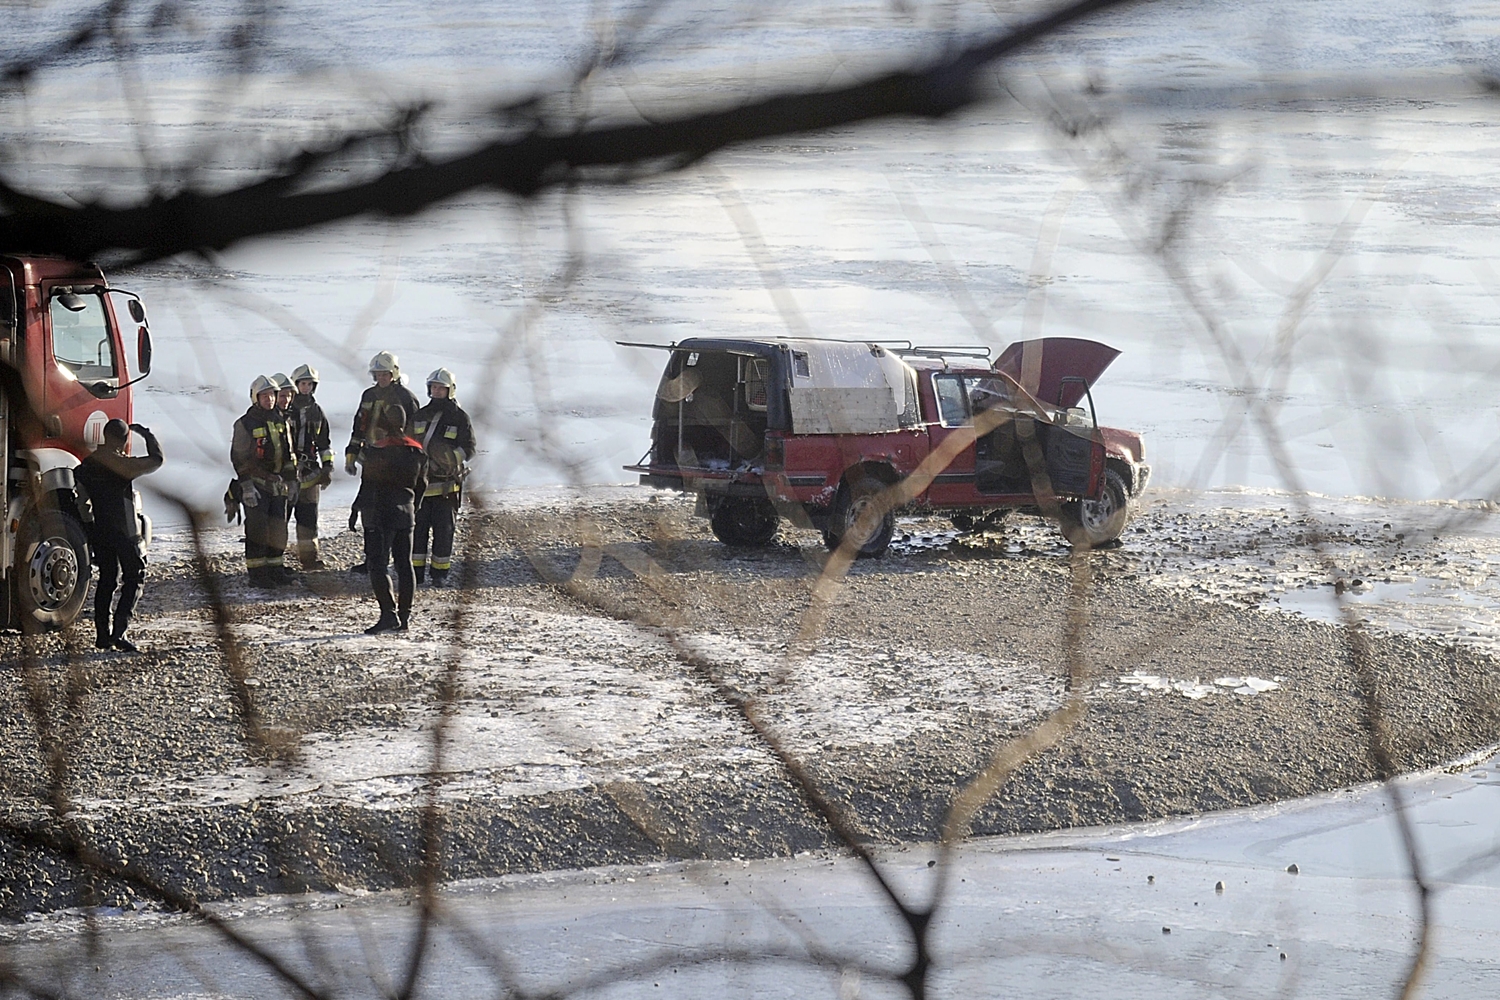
(1040, 366)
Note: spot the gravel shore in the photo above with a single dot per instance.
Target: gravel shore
(585, 728)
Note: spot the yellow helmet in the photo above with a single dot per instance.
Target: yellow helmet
(385, 361)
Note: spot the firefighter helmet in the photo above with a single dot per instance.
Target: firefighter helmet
(443, 377)
(281, 382)
(260, 385)
(305, 373)
(385, 361)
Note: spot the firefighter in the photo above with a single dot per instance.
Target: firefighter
(108, 477)
(385, 371)
(390, 492)
(266, 464)
(447, 436)
(309, 431)
(284, 392)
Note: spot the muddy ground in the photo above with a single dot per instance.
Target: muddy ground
(592, 656)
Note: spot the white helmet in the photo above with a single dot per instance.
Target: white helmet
(281, 381)
(305, 372)
(260, 385)
(385, 361)
(443, 377)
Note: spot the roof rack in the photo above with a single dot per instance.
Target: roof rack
(945, 352)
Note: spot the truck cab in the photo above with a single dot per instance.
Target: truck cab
(842, 435)
(65, 375)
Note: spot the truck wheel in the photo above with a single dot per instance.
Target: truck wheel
(1098, 522)
(746, 523)
(52, 571)
(853, 500)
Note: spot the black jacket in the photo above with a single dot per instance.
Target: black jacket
(108, 477)
(394, 478)
(447, 435)
(310, 439)
(371, 403)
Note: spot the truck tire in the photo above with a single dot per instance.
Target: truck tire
(854, 498)
(1099, 522)
(745, 523)
(52, 571)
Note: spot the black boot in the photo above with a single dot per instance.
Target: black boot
(102, 638)
(419, 570)
(361, 568)
(261, 578)
(440, 578)
(388, 623)
(123, 644)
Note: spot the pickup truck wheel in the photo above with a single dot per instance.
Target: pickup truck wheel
(52, 571)
(853, 500)
(1099, 522)
(745, 523)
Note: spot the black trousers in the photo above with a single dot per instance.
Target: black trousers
(439, 516)
(387, 539)
(118, 561)
(265, 532)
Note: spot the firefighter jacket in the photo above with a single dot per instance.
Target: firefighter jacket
(393, 482)
(374, 400)
(262, 450)
(447, 435)
(108, 477)
(310, 439)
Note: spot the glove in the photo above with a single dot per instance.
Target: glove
(349, 466)
(231, 509)
(325, 478)
(249, 493)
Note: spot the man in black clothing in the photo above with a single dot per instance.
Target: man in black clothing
(447, 436)
(395, 478)
(310, 440)
(108, 477)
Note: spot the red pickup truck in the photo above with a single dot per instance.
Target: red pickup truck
(841, 435)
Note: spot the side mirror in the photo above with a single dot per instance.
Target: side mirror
(72, 302)
(137, 311)
(142, 342)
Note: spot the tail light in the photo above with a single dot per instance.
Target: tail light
(775, 453)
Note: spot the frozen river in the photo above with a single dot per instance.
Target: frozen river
(1201, 907)
(1323, 168)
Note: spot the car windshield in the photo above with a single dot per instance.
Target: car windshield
(81, 341)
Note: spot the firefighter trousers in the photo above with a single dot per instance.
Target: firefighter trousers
(265, 533)
(438, 516)
(387, 540)
(119, 562)
(306, 512)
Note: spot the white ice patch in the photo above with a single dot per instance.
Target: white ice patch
(1197, 689)
(551, 702)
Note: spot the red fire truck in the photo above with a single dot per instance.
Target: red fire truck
(63, 376)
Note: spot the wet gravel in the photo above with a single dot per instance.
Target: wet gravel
(129, 754)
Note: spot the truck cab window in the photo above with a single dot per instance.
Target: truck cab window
(953, 405)
(80, 340)
(988, 393)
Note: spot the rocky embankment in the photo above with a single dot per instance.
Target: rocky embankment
(585, 690)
